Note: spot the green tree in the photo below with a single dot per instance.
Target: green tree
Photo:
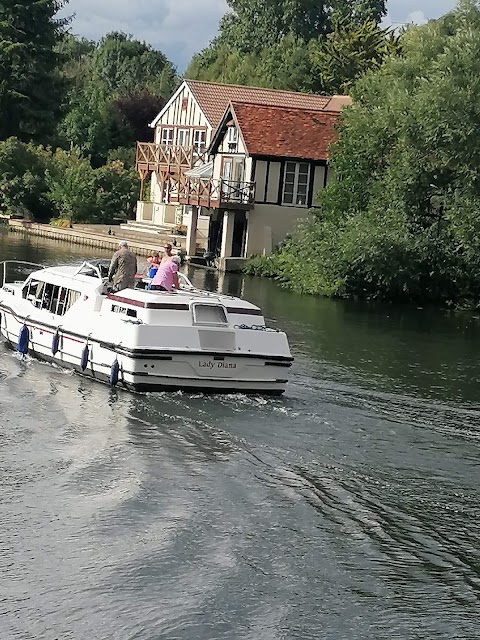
(117, 87)
(30, 86)
(121, 65)
(71, 186)
(269, 42)
(22, 182)
(402, 220)
(349, 51)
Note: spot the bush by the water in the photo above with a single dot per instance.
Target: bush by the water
(43, 184)
(402, 220)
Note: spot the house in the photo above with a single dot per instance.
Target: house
(237, 165)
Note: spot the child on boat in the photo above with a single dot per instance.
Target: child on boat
(153, 261)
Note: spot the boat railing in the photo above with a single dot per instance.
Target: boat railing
(184, 282)
(7, 267)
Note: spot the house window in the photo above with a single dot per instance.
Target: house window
(199, 140)
(183, 136)
(167, 136)
(232, 138)
(295, 184)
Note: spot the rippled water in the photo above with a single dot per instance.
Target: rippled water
(347, 509)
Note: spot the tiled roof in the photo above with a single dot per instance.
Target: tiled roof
(285, 133)
(213, 98)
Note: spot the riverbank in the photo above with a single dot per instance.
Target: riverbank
(94, 235)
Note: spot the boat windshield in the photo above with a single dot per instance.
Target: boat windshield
(94, 268)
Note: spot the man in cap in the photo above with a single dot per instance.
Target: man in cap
(123, 268)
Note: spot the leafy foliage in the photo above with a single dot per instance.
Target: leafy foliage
(30, 86)
(285, 44)
(349, 51)
(42, 184)
(22, 186)
(402, 220)
(117, 88)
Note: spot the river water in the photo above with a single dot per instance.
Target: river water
(348, 509)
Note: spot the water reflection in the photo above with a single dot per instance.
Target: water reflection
(346, 509)
(392, 349)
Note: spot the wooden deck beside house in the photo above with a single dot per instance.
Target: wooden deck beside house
(171, 163)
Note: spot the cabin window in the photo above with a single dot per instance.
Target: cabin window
(295, 184)
(199, 140)
(71, 297)
(131, 313)
(183, 137)
(167, 136)
(50, 297)
(33, 291)
(209, 314)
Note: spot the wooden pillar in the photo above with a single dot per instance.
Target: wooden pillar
(191, 241)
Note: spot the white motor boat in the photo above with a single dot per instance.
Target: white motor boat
(142, 340)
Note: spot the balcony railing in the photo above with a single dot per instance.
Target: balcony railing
(153, 157)
(213, 194)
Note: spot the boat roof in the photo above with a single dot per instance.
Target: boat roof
(178, 300)
(58, 274)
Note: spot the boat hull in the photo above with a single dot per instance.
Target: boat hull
(152, 369)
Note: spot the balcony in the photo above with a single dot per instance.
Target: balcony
(212, 194)
(154, 157)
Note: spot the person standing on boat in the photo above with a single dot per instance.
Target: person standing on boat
(167, 254)
(123, 268)
(166, 277)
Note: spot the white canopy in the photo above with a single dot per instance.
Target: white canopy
(202, 171)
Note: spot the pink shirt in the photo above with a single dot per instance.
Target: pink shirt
(165, 273)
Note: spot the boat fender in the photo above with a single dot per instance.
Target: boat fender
(85, 357)
(23, 340)
(55, 342)
(114, 371)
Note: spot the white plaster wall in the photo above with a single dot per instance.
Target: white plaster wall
(178, 117)
(268, 225)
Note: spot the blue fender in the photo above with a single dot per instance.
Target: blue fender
(114, 371)
(85, 357)
(23, 340)
(55, 342)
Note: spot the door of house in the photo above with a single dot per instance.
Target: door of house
(232, 178)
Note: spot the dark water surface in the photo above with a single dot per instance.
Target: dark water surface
(348, 509)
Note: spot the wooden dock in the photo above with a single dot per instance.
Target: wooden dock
(94, 236)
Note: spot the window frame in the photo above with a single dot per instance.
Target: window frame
(169, 138)
(296, 183)
(198, 305)
(185, 133)
(199, 146)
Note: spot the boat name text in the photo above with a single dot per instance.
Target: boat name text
(220, 364)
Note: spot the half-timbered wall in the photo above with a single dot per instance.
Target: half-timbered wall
(189, 126)
(270, 221)
(183, 113)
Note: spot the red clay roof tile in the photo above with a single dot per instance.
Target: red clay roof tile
(284, 132)
(213, 98)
